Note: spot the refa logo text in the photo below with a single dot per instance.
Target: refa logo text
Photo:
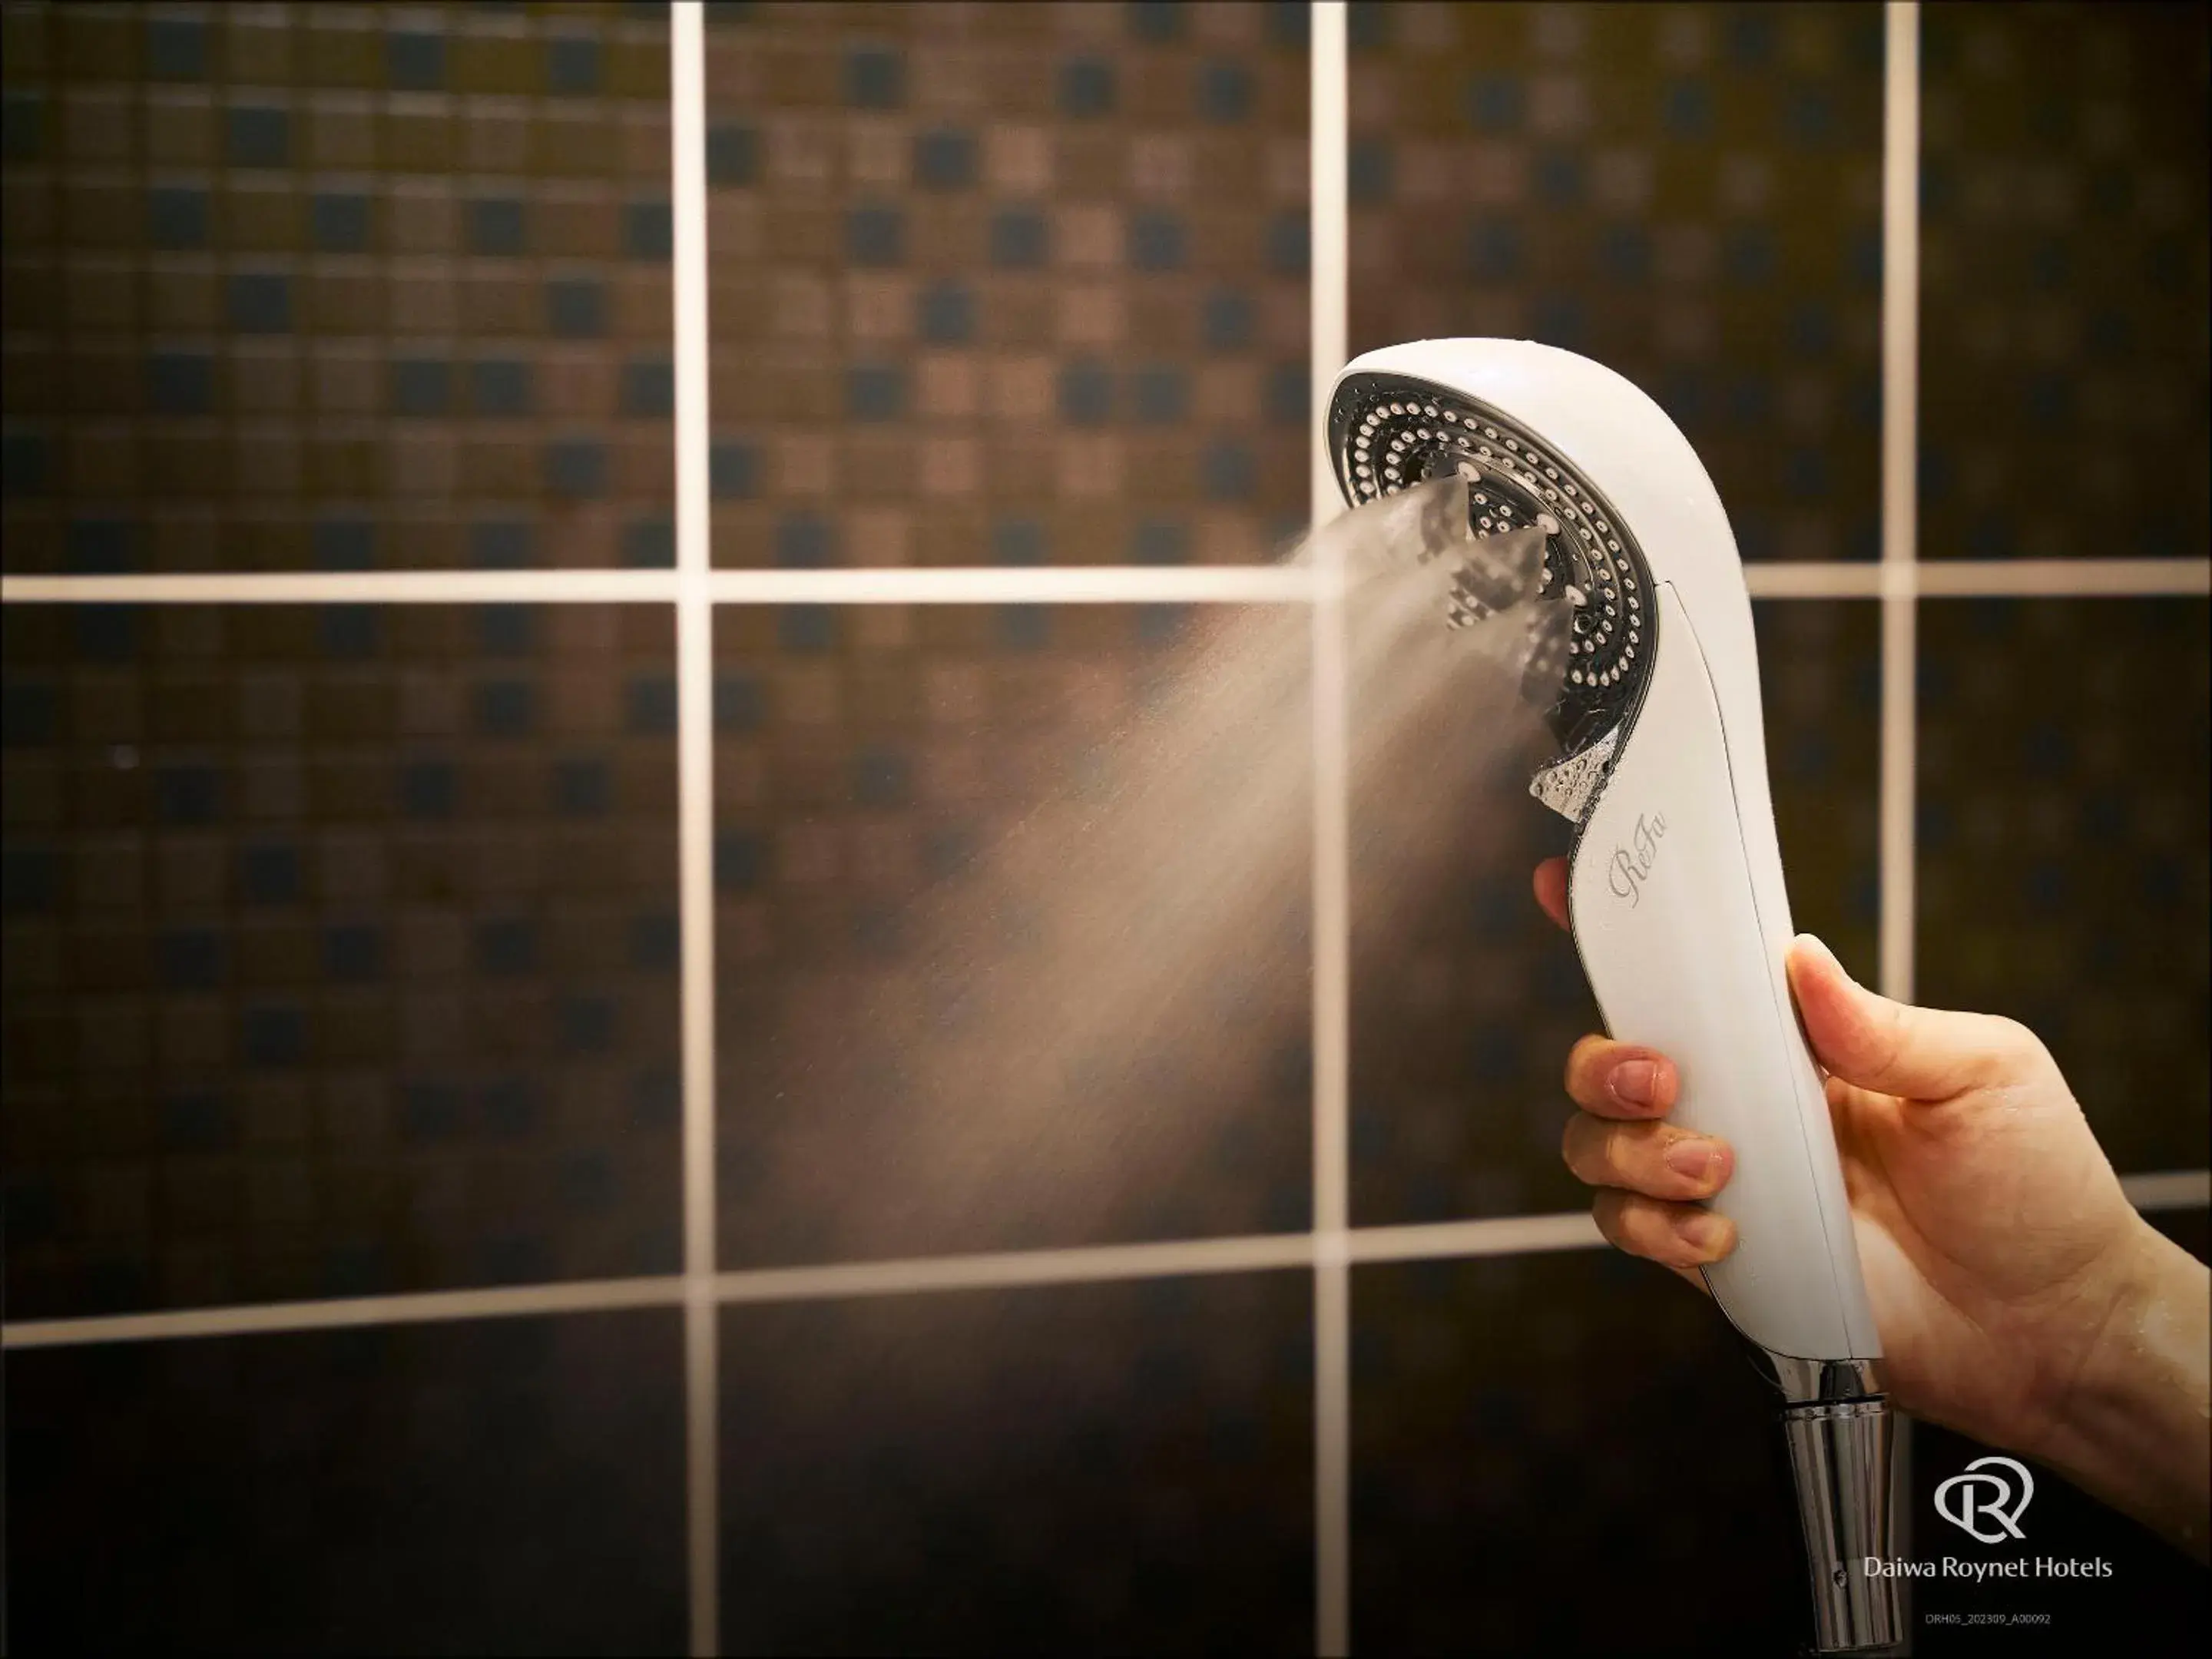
(1983, 1493)
(1633, 864)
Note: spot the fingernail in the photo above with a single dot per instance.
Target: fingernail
(1693, 1157)
(1703, 1232)
(1635, 1082)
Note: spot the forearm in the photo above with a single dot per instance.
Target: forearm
(2137, 1426)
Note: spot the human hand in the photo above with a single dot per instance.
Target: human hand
(2019, 1297)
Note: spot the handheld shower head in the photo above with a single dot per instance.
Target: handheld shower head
(1675, 889)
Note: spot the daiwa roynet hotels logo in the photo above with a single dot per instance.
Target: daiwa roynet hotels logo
(1986, 1503)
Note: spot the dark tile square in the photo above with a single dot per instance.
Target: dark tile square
(311, 869)
(1013, 945)
(1563, 1453)
(2062, 842)
(513, 1486)
(1114, 1468)
(1618, 183)
(2063, 275)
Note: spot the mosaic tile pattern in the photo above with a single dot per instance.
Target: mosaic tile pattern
(936, 1034)
(1007, 284)
(2065, 350)
(1466, 998)
(513, 1486)
(313, 288)
(1690, 194)
(341, 950)
(1111, 1469)
(2063, 876)
(1562, 1453)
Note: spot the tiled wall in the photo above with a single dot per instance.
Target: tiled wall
(337, 287)
(342, 939)
(1008, 284)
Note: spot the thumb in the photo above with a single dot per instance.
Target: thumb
(1923, 1054)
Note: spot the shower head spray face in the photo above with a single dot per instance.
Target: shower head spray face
(1389, 433)
(1674, 887)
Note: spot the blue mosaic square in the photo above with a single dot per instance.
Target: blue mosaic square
(875, 391)
(945, 313)
(803, 542)
(576, 467)
(945, 158)
(101, 547)
(501, 385)
(26, 467)
(1156, 21)
(1160, 541)
(180, 382)
(176, 216)
(1162, 393)
(648, 387)
(505, 708)
(269, 873)
(1224, 91)
(1017, 542)
(1019, 238)
(176, 48)
(421, 386)
(1156, 240)
(496, 225)
(573, 64)
(1494, 102)
(500, 545)
(649, 705)
(339, 221)
(260, 302)
(875, 77)
(344, 542)
(875, 236)
(1086, 87)
(1225, 320)
(258, 135)
(582, 788)
(733, 469)
(415, 60)
(22, 124)
(740, 857)
(733, 154)
(576, 306)
(648, 230)
(1086, 393)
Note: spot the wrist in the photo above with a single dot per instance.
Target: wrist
(2134, 1426)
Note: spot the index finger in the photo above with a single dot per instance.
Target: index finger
(1551, 889)
(1620, 1080)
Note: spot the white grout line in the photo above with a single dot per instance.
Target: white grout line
(348, 587)
(1506, 1236)
(694, 773)
(1077, 585)
(1098, 1264)
(349, 1313)
(1951, 579)
(1518, 1235)
(1069, 585)
(2171, 1189)
(1900, 648)
(2085, 579)
(1900, 396)
(1328, 210)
